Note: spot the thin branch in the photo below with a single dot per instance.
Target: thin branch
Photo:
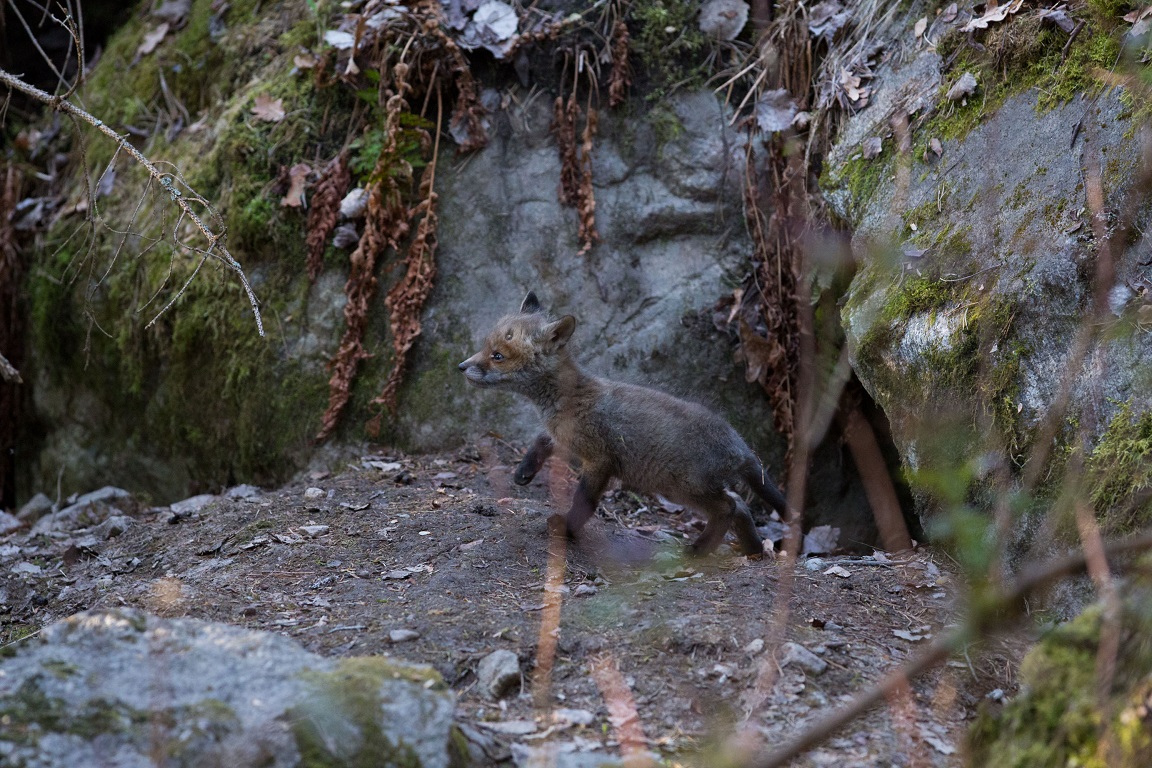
(216, 248)
(8, 372)
(993, 614)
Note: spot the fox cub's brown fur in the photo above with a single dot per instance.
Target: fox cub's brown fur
(651, 441)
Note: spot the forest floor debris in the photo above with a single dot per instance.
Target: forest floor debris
(442, 560)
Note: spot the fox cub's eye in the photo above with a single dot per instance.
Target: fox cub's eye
(497, 356)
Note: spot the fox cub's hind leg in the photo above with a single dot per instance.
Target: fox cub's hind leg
(724, 512)
(533, 461)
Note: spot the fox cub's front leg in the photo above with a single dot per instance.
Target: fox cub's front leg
(534, 460)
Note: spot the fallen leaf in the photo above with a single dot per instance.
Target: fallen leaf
(1136, 16)
(269, 109)
(1058, 17)
(992, 15)
(775, 111)
(298, 177)
(963, 88)
(820, 540)
(912, 637)
(838, 571)
(950, 14)
(304, 61)
(827, 18)
(495, 20)
(921, 25)
(151, 40)
(935, 145)
(345, 236)
(938, 744)
(872, 147)
(723, 19)
(341, 41)
(173, 11)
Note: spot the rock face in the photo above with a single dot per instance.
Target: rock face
(198, 401)
(967, 320)
(121, 687)
(672, 235)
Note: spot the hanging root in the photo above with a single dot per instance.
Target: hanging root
(406, 300)
(325, 211)
(621, 78)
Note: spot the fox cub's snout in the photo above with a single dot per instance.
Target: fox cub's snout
(514, 354)
(649, 440)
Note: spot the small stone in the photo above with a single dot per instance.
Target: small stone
(794, 653)
(35, 508)
(498, 674)
(402, 635)
(755, 647)
(193, 504)
(29, 568)
(570, 717)
(314, 493)
(583, 590)
(814, 563)
(354, 203)
(314, 530)
(244, 491)
(9, 523)
(113, 527)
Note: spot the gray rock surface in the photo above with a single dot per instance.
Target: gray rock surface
(35, 508)
(86, 510)
(669, 213)
(120, 687)
(998, 224)
(498, 673)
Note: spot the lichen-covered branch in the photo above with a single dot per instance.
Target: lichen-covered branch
(215, 248)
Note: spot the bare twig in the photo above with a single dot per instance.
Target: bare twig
(8, 372)
(994, 613)
(215, 248)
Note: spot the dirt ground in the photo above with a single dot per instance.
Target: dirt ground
(442, 560)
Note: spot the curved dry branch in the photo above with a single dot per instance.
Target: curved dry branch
(992, 614)
(215, 248)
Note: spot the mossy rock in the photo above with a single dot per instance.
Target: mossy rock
(1058, 719)
(170, 402)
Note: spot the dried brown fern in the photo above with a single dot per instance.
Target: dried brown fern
(325, 211)
(576, 165)
(585, 196)
(621, 79)
(564, 131)
(386, 226)
(10, 332)
(405, 301)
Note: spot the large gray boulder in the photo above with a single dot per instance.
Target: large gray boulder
(672, 242)
(976, 281)
(128, 689)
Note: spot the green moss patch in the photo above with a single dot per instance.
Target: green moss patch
(1020, 54)
(340, 723)
(1057, 719)
(1118, 472)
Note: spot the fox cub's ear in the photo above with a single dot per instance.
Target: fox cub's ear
(531, 304)
(555, 335)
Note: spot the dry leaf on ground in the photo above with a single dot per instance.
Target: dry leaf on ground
(269, 109)
(993, 15)
(151, 40)
(297, 178)
(963, 88)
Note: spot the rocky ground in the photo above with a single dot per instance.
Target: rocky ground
(441, 560)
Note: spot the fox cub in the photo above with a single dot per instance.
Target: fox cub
(652, 442)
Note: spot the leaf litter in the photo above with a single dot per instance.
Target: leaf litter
(358, 578)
